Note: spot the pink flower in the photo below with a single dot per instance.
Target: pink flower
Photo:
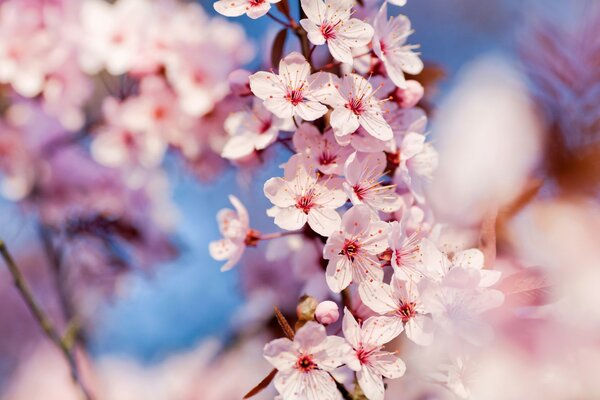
(304, 365)
(405, 251)
(389, 45)
(327, 312)
(252, 8)
(355, 105)
(301, 197)
(234, 226)
(418, 162)
(119, 144)
(438, 265)
(457, 304)
(239, 82)
(363, 173)
(252, 130)
(329, 22)
(111, 35)
(321, 149)
(370, 362)
(294, 91)
(401, 306)
(410, 95)
(352, 251)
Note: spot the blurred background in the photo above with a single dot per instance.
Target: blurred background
(183, 309)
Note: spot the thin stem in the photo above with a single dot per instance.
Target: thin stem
(279, 21)
(42, 319)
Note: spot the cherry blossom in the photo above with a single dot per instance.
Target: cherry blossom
(234, 226)
(369, 360)
(252, 130)
(252, 8)
(389, 45)
(119, 144)
(405, 250)
(329, 22)
(363, 185)
(355, 105)
(321, 150)
(294, 91)
(401, 304)
(304, 364)
(352, 251)
(300, 197)
(327, 312)
(418, 163)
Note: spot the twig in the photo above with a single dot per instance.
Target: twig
(42, 319)
(279, 21)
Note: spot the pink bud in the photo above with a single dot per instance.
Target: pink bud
(410, 96)
(239, 82)
(327, 312)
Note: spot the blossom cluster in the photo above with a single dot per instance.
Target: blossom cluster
(351, 199)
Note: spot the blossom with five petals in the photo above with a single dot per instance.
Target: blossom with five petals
(294, 91)
(370, 362)
(304, 364)
(329, 22)
(352, 251)
(354, 104)
(300, 197)
(389, 46)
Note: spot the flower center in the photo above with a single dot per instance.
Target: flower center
(326, 158)
(407, 310)
(363, 355)
(306, 202)
(256, 3)
(294, 96)
(328, 30)
(305, 363)
(356, 105)
(360, 191)
(350, 249)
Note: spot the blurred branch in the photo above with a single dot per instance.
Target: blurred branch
(42, 319)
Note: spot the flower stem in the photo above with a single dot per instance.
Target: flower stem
(42, 319)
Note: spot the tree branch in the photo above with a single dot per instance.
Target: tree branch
(42, 319)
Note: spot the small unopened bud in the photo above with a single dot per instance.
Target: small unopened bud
(410, 96)
(306, 308)
(239, 82)
(327, 312)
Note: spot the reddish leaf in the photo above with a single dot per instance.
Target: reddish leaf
(278, 45)
(284, 7)
(529, 287)
(285, 326)
(262, 385)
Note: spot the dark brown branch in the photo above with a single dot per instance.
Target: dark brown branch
(42, 319)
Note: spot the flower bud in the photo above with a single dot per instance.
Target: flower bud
(327, 312)
(306, 308)
(239, 82)
(410, 96)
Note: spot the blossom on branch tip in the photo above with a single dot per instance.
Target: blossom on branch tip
(294, 91)
(329, 22)
(235, 227)
(389, 46)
